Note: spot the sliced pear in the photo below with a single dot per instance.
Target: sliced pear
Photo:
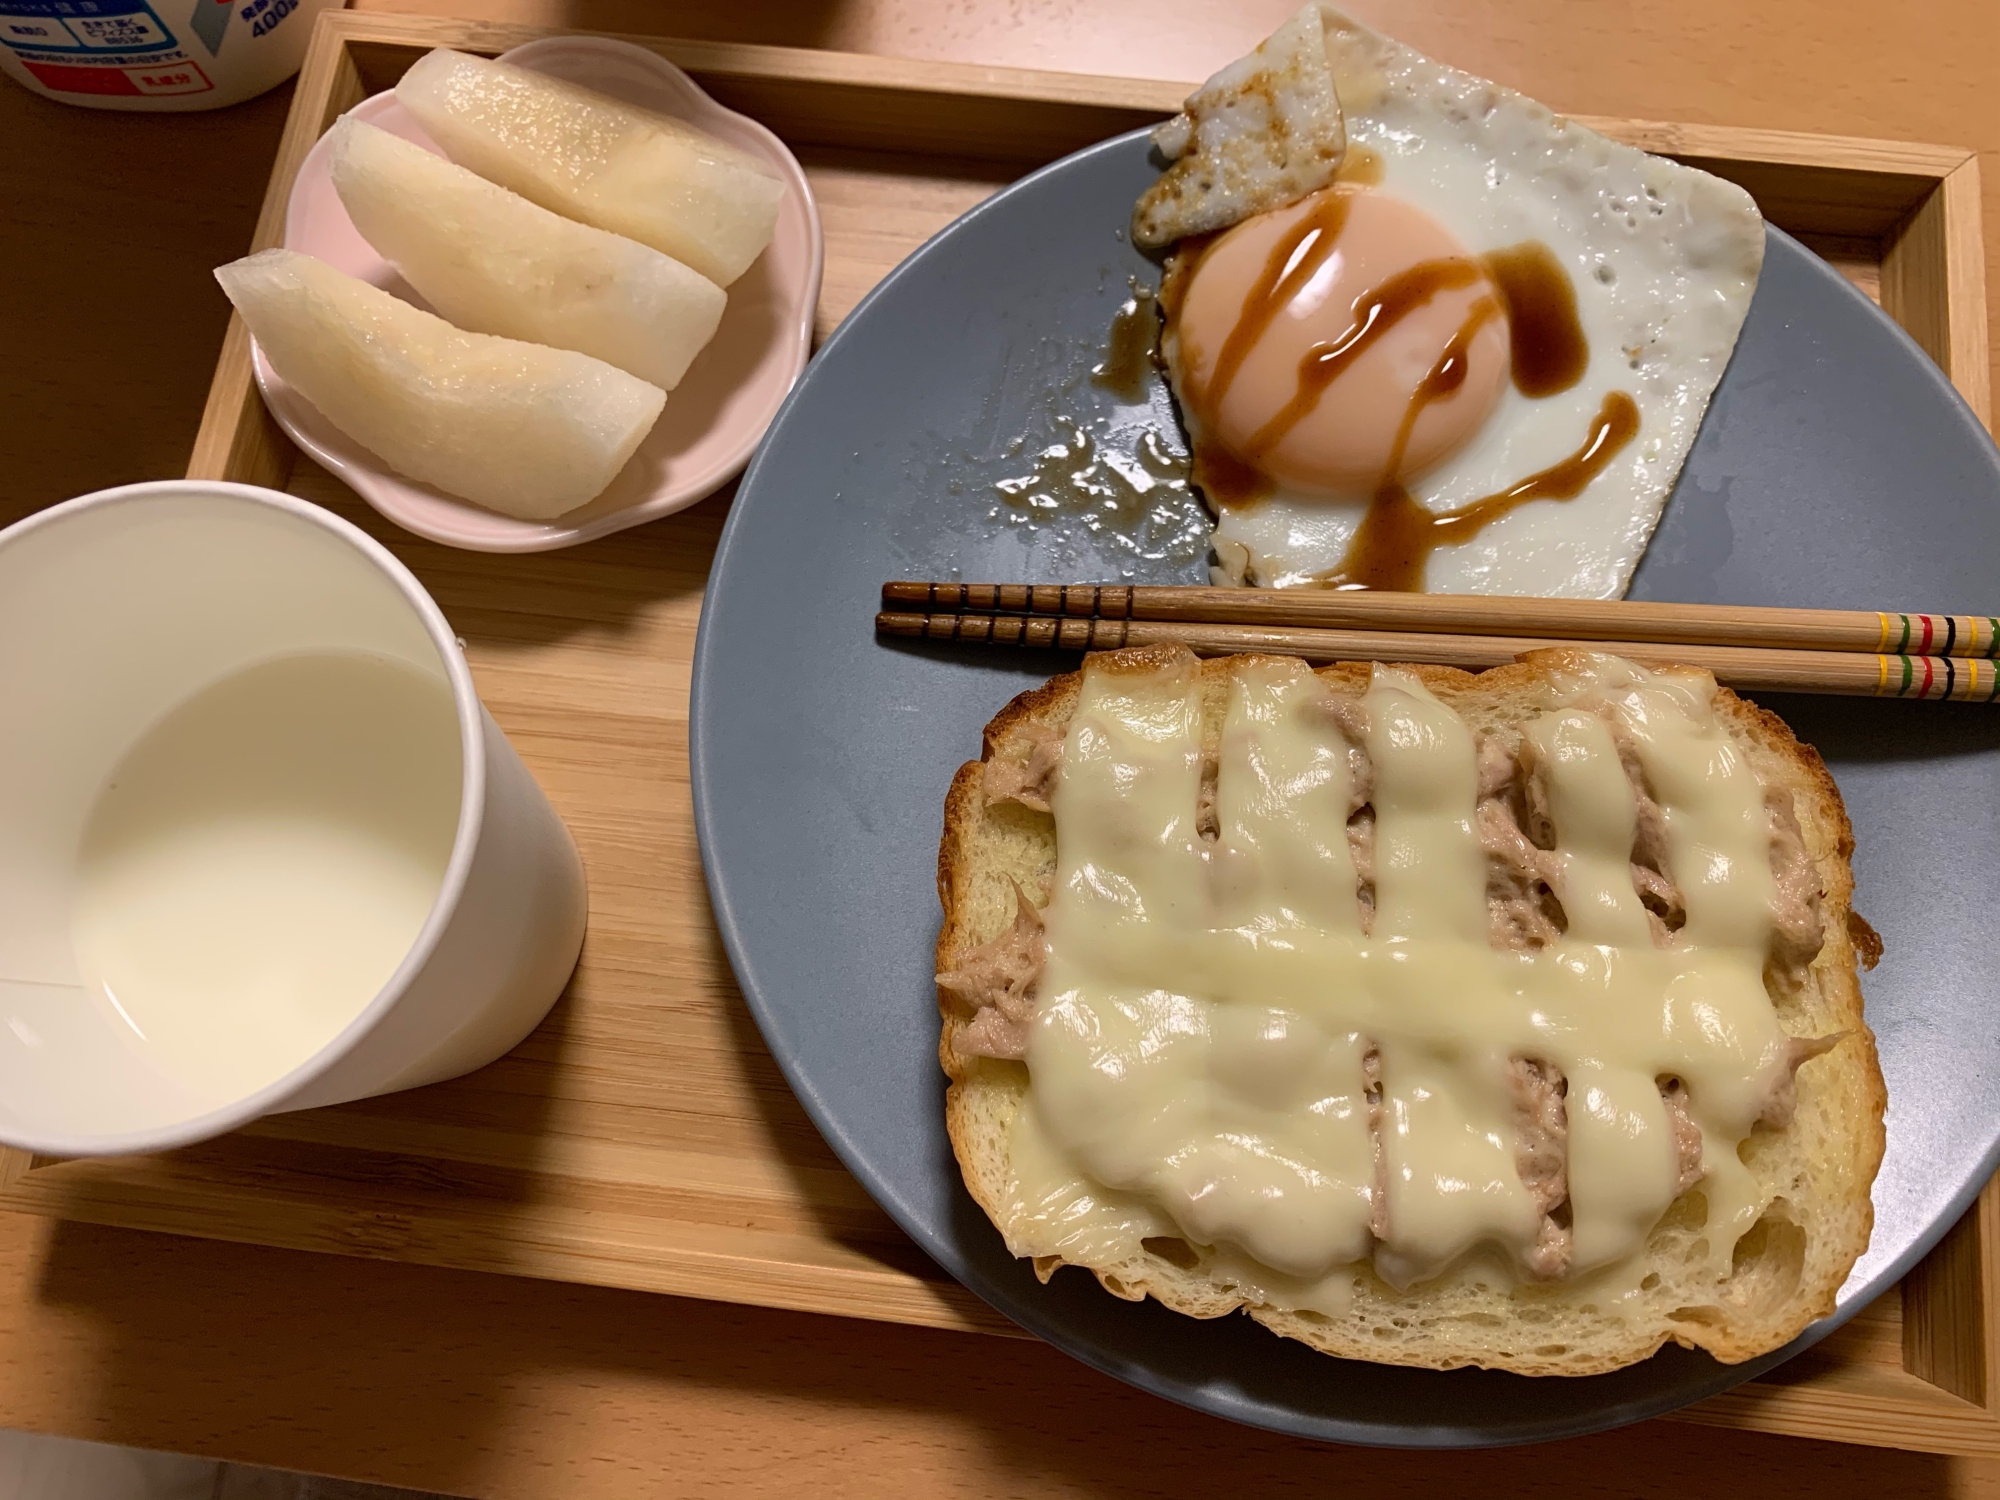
(589, 157)
(518, 428)
(492, 262)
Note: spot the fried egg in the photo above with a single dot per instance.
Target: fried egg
(1473, 362)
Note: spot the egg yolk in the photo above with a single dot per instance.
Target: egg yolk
(1343, 343)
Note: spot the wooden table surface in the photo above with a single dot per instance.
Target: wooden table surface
(490, 1386)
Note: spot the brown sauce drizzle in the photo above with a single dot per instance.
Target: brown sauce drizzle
(1443, 379)
(1398, 535)
(1131, 351)
(1375, 313)
(1291, 265)
(1548, 354)
(1226, 479)
(1550, 351)
(1180, 268)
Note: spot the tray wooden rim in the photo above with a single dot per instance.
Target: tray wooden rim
(1918, 203)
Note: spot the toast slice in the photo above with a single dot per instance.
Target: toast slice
(998, 859)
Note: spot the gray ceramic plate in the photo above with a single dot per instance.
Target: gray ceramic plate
(1836, 467)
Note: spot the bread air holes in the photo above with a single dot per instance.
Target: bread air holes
(1175, 1252)
(1765, 1271)
(1687, 1214)
(1701, 1317)
(1118, 1288)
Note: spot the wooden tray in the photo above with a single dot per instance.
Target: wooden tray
(643, 1137)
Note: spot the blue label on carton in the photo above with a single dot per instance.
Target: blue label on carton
(86, 27)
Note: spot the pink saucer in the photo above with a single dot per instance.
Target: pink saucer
(712, 422)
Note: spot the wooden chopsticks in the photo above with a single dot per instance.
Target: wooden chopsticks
(1779, 650)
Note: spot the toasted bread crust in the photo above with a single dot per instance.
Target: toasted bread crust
(1817, 1171)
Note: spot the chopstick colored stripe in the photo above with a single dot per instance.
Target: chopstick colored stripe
(1939, 677)
(1933, 677)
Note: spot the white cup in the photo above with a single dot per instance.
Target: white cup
(116, 608)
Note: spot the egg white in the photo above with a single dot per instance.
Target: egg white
(1664, 259)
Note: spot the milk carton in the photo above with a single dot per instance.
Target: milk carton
(154, 54)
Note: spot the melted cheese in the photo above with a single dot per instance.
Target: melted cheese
(1622, 1165)
(1197, 1058)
